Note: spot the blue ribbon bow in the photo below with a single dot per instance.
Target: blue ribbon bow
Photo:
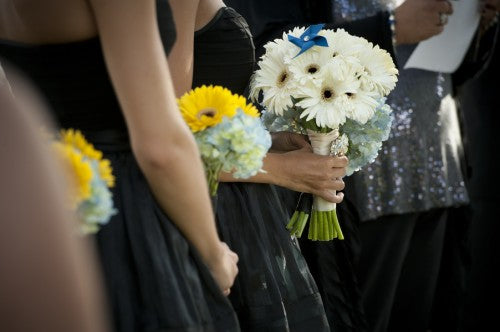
(309, 39)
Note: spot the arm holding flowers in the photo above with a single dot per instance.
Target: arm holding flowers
(292, 164)
(303, 171)
(299, 170)
(139, 71)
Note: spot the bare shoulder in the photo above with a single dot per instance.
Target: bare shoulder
(48, 21)
(204, 11)
(207, 9)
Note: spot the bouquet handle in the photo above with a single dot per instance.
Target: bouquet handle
(324, 222)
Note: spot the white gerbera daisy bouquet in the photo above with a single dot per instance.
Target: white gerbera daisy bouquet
(331, 86)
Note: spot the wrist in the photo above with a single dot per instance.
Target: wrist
(272, 163)
(213, 254)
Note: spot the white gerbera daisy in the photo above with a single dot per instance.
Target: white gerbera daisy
(380, 73)
(274, 78)
(291, 48)
(328, 104)
(310, 65)
(342, 43)
(296, 32)
(362, 106)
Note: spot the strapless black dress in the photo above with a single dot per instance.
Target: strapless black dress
(155, 279)
(274, 290)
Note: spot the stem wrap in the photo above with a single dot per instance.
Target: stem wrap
(321, 144)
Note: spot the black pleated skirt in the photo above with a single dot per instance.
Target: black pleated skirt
(155, 279)
(274, 290)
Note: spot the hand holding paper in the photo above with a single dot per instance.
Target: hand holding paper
(418, 20)
(445, 52)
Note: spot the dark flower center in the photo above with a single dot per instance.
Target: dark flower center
(327, 94)
(312, 69)
(210, 112)
(282, 78)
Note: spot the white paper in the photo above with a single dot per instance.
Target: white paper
(444, 52)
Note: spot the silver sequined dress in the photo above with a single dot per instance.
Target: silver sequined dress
(418, 168)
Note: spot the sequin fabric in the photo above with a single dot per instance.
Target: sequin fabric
(418, 168)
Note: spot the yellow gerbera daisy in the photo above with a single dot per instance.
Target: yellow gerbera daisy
(76, 139)
(79, 169)
(106, 172)
(248, 108)
(206, 106)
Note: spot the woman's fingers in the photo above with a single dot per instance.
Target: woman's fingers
(331, 196)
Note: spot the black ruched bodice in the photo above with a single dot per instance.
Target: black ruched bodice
(224, 52)
(73, 77)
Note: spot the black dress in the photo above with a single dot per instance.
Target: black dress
(274, 290)
(155, 279)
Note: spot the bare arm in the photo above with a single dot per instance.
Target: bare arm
(181, 57)
(161, 141)
(49, 279)
(189, 16)
(301, 170)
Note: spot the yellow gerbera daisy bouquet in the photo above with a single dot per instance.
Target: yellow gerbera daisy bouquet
(228, 131)
(92, 176)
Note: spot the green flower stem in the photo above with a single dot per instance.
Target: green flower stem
(315, 227)
(297, 223)
(330, 226)
(303, 220)
(322, 217)
(293, 221)
(326, 233)
(324, 226)
(311, 227)
(212, 174)
(318, 227)
(337, 225)
(310, 233)
(333, 232)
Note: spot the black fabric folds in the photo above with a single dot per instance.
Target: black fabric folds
(155, 279)
(333, 265)
(274, 290)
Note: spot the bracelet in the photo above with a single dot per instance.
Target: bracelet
(392, 25)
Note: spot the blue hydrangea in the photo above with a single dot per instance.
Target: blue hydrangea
(365, 140)
(286, 122)
(98, 209)
(238, 145)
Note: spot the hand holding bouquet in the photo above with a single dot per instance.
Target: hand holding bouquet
(92, 175)
(331, 86)
(228, 131)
